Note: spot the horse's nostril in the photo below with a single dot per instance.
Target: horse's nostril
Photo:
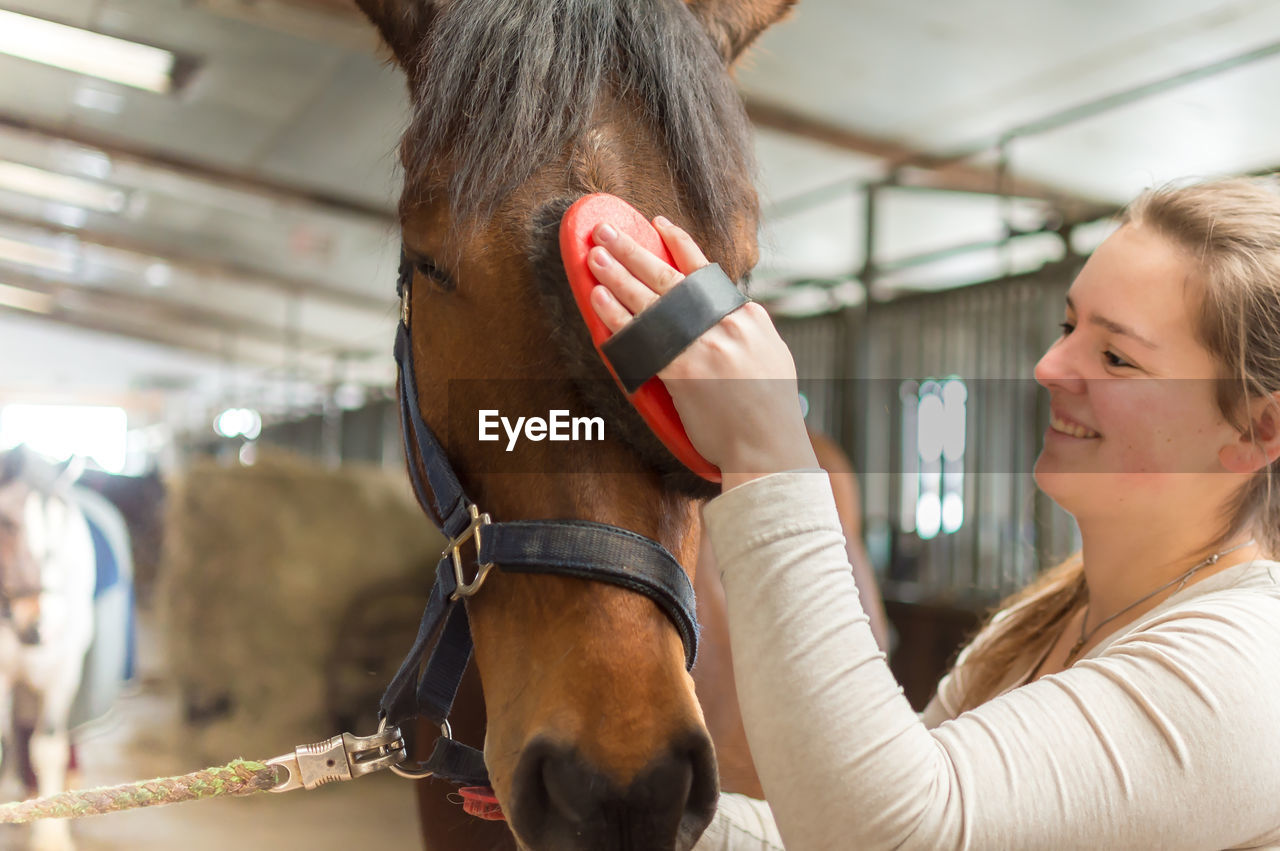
(563, 802)
(704, 790)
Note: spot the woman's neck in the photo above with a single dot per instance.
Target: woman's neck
(1124, 561)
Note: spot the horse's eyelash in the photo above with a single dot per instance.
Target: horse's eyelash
(430, 270)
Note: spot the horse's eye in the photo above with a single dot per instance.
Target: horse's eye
(434, 274)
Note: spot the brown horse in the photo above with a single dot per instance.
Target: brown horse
(593, 734)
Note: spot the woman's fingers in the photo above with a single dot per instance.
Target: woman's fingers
(628, 291)
(609, 309)
(643, 264)
(684, 250)
(631, 276)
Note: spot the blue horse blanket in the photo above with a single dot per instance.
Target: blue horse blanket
(112, 657)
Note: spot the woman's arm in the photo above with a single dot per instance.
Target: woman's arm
(844, 487)
(1168, 739)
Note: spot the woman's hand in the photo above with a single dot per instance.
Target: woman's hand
(735, 386)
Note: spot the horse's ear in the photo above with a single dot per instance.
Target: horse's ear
(12, 463)
(735, 24)
(68, 472)
(402, 23)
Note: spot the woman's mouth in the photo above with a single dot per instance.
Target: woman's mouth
(1071, 429)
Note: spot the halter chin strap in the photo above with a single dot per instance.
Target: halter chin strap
(576, 548)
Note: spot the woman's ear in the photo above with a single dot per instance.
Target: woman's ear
(1260, 446)
(734, 24)
(403, 25)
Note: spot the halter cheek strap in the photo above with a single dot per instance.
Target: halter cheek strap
(576, 548)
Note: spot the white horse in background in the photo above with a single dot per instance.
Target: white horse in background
(47, 576)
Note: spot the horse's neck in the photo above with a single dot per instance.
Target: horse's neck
(62, 545)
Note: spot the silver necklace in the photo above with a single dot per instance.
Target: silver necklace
(1180, 580)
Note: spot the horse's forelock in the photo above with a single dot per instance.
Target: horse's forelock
(502, 88)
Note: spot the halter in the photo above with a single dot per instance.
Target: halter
(576, 548)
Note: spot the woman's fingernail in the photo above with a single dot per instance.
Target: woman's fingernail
(662, 222)
(601, 257)
(606, 232)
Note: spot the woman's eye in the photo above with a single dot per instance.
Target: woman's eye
(1113, 359)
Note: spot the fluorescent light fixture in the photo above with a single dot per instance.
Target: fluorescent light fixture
(21, 299)
(26, 254)
(85, 52)
(63, 188)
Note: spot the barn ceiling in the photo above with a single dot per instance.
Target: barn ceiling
(234, 241)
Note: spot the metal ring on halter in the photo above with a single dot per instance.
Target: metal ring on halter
(415, 773)
(454, 549)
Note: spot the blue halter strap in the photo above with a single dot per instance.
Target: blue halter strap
(576, 548)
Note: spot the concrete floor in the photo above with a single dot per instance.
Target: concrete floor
(376, 811)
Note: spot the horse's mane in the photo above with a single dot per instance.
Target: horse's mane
(502, 86)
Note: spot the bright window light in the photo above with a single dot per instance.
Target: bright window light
(933, 437)
(239, 422)
(60, 431)
(21, 299)
(84, 52)
(75, 191)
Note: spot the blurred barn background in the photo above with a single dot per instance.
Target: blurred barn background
(198, 248)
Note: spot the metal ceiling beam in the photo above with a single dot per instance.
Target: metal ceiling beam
(331, 21)
(234, 273)
(135, 401)
(167, 312)
(87, 322)
(918, 169)
(1115, 100)
(152, 158)
(305, 370)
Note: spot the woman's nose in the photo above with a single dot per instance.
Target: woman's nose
(1058, 368)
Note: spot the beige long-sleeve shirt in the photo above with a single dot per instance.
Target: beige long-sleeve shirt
(1166, 735)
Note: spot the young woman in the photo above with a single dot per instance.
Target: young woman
(1131, 697)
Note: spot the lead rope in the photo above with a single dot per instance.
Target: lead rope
(239, 777)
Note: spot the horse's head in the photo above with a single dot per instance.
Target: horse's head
(520, 107)
(20, 579)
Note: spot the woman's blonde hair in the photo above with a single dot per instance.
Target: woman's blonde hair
(1231, 229)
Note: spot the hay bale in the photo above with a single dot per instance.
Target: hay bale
(261, 563)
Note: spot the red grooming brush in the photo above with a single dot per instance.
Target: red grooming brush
(652, 399)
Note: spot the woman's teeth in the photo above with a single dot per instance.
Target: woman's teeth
(1068, 428)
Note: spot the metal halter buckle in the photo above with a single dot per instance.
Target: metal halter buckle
(454, 549)
(413, 773)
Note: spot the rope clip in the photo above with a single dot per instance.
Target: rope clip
(339, 758)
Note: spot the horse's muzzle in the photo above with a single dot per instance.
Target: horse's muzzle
(564, 803)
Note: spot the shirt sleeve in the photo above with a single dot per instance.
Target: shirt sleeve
(1167, 739)
(741, 823)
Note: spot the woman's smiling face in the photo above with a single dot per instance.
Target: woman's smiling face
(1132, 390)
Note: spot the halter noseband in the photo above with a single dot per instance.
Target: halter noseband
(576, 548)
